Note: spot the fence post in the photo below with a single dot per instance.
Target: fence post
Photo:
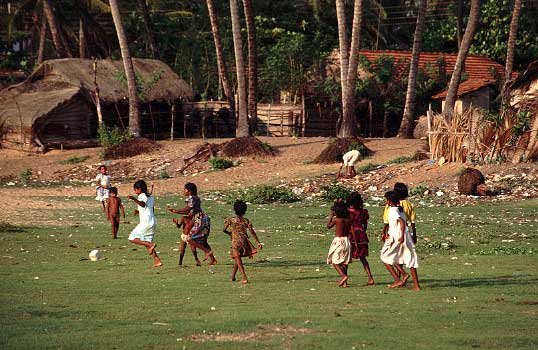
(429, 118)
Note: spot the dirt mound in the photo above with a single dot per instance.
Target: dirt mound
(472, 182)
(341, 146)
(246, 146)
(131, 148)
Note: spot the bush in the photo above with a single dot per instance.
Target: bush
(401, 160)
(336, 192)
(74, 160)
(268, 194)
(25, 175)
(113, 136)
(220, 163)
(418, 190)
(367, 168)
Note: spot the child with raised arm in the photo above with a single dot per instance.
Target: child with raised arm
(201, 221)
(144, 232)
(102, 180)
(340, 251)
(399, 247)
(187, 223)
(241, 245)
(113, 211)
(359, 242)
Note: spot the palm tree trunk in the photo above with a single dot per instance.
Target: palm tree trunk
(408, 119)
(474, 18)
(54, 28)
(134, 113)
(149, 28)
(42, 40)
(459, 21)
(82, 44)
(342, 43)
(511, 48)
(252, 66)
(242, 128)
(348, 127)
(221, 61)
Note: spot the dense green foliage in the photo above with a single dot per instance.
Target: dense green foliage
(110, 136)
(220, 163)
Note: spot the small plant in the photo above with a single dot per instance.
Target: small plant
(25, 175)
(400, 160)
(113, 136)
(267, 147)
(74, 160)
(367, 168)
(336, 192)
(269, 194)
(418, 190)
(164, 175)
(220, 163)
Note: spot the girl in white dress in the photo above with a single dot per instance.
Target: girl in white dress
(103, 184)
(144, 232)
(399, 247)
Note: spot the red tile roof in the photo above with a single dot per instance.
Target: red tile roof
(467, 86)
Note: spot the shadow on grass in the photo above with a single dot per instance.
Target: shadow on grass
(480, 282)
(8, 228)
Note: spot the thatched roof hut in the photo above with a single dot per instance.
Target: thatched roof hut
(56, 102)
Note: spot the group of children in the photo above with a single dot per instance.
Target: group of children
(349, 218)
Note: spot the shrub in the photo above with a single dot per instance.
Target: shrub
(220, 163)
(113, 136)
(164, 175)
(335, 192)
(367, 168)
(268, 194)
(25, 175)
(74, 160)
(418, 190)
(401, 160)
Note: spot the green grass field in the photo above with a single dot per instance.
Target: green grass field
(478, 272)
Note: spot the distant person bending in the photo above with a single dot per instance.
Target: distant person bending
(348, 160)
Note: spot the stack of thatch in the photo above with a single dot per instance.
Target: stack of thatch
(450, 140)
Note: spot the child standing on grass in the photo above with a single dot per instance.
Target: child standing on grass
(102, 181)
(144, 232)
(340, 251)
(359, 242)
(201, 221)
(241, 245)
(399, 247)
(407, 206)
(187, 223)
(113, 211)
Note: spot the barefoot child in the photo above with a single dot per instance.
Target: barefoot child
(113, 211)
(144, 232)
(340, 251)
(359, 217)
(398, 247)
(186, 223)
(348, 161)
(241, 245)
(102, 181)
(202, 223)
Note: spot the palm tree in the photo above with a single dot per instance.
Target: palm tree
(406, 127)
(349, 66)
(221, 61)
(242, 128)
(511, 48)
(252, 65)
(149, 28)
(55, 30)
(42, 40)
(134, 113)
(474, 18)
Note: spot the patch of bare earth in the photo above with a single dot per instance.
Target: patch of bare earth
(262, 333)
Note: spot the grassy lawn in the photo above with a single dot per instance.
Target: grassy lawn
(478, 272)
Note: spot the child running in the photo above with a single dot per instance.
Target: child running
(113, 211)
(186, 223)
(201, 221)
(340, 251)
(102, 181)
(241, 245)
(144, 232)
(398, 247)
(359, 242)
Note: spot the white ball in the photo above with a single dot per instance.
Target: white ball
(96, 255)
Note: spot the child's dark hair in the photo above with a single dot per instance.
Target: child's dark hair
(394, 197)
(113, 190)
(354, 200)
(102, 166)
(189, 186)
(240, 207)
(401, 189)
(141, 185)
(340, 209)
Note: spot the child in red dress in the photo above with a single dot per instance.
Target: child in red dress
(359, 242)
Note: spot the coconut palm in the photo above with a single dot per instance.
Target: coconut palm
(252, 65)
(149, 28)
(511, 46)
(134, 113)
(242, 128)
(472, 23)
(406, 127)
(59, 40)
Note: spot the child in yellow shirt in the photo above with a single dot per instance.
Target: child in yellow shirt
(408, 208)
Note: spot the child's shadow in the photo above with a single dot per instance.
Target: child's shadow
(480, 281)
